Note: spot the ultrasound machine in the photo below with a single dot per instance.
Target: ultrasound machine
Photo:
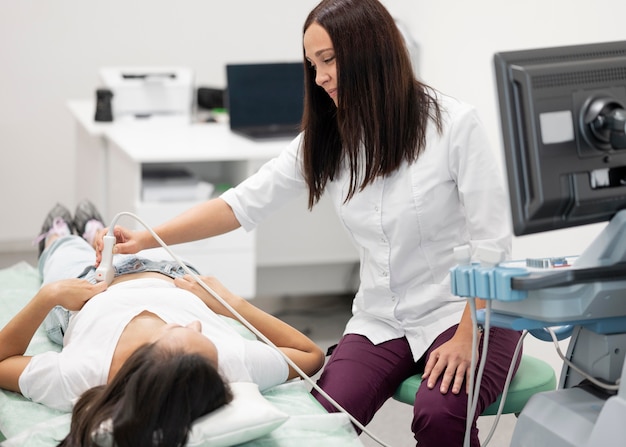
(563, 118)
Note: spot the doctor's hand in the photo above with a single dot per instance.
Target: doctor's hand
(126, 241)
(452, 360)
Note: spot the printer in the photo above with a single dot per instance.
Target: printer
(149, 91)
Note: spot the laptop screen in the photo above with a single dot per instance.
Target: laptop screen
(265, 95)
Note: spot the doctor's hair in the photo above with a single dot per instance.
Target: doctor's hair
(382, 108)
(151, 402)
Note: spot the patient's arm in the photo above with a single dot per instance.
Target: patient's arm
(297, 346)
(17, 334)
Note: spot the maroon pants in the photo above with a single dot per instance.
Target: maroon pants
(361, 376)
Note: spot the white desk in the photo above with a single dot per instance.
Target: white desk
(294, 252)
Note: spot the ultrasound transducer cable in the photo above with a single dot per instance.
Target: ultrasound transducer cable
(105, 272)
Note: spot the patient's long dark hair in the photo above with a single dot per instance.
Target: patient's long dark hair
(151, 402)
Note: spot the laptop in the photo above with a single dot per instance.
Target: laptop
(265, 100)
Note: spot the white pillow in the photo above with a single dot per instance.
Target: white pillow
(248, 416)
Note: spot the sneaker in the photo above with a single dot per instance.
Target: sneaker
(58, 222)
(87, 221)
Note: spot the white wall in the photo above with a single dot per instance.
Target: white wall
(459, 39)
(51, 52)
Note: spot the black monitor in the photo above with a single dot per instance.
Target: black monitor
(563, 123)
(265, 100)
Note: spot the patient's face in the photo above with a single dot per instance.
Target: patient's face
(188, 339)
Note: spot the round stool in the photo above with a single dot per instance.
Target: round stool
(533, 376)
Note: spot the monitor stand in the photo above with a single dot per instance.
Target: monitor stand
(580, 413)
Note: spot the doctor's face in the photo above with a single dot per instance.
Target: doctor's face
(320, 53)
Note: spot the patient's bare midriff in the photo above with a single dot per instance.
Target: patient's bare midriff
(140, 275)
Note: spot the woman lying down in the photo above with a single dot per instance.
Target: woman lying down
(150, 352)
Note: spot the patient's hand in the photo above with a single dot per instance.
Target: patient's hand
(190, 284)
(71, 293)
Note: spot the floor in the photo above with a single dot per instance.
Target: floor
(323, 318)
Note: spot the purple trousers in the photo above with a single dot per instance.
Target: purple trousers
(361, 376)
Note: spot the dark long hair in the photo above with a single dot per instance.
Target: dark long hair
(152, 401)
(382, 107)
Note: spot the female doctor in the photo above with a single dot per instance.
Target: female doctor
(412, 176)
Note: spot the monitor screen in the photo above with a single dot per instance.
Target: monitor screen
(265, 94)
(563, 116)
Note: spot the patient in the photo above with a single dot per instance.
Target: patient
(148, 355)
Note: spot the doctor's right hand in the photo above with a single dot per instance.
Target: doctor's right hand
(126, 242)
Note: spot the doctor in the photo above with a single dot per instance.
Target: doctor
(412, 176)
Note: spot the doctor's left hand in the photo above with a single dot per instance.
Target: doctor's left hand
(452, 360)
